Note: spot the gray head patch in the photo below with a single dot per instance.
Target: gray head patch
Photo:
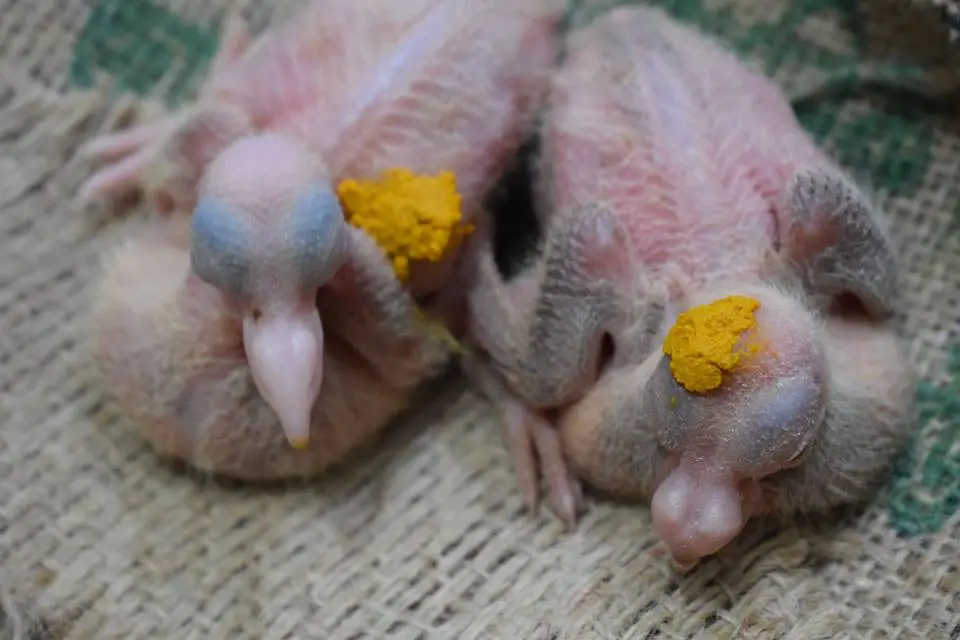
(220, 249)
(317, 235)
(781, 421)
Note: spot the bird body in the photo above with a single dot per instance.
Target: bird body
(708, 324)
(169, 348)
(343, 93)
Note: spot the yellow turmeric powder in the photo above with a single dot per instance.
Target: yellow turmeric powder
(411, 217)
(702, 344)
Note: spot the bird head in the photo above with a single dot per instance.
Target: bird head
(739, 395)
(268, 231)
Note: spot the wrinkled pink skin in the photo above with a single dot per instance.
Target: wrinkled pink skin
(672, 176)
(345, 90)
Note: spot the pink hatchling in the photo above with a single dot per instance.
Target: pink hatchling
(709, 324)
(266, 272)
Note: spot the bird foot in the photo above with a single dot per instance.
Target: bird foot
(128, 155)
(528, 436)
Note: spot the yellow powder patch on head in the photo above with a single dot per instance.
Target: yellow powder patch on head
(410, 216)
(702, 345)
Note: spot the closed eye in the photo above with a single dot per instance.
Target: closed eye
(219, 252)
(800, 455)
(317, 236)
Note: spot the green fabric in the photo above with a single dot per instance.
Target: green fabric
(926, 483)
(137, 42)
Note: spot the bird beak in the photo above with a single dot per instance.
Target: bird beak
(285, 352)
(698, 510)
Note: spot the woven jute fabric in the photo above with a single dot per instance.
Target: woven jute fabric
(424, 536)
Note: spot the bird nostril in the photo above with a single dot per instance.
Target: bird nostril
(257, 315)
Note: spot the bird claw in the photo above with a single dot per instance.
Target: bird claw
(127, 155)
(528, 436)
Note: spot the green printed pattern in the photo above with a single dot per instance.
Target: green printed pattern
(926, 486)
(139, 43)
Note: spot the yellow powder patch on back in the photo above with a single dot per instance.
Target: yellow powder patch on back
(411, 217)
(702, 345)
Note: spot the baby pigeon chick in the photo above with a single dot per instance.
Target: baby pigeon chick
(171, 348)
(708, 325)
(289, 137)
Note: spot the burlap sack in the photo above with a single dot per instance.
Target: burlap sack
(426, 536)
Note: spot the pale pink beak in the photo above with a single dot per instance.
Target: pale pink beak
(285, 352)
(698, 511)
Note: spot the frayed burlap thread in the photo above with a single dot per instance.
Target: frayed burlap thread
(426, 537)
